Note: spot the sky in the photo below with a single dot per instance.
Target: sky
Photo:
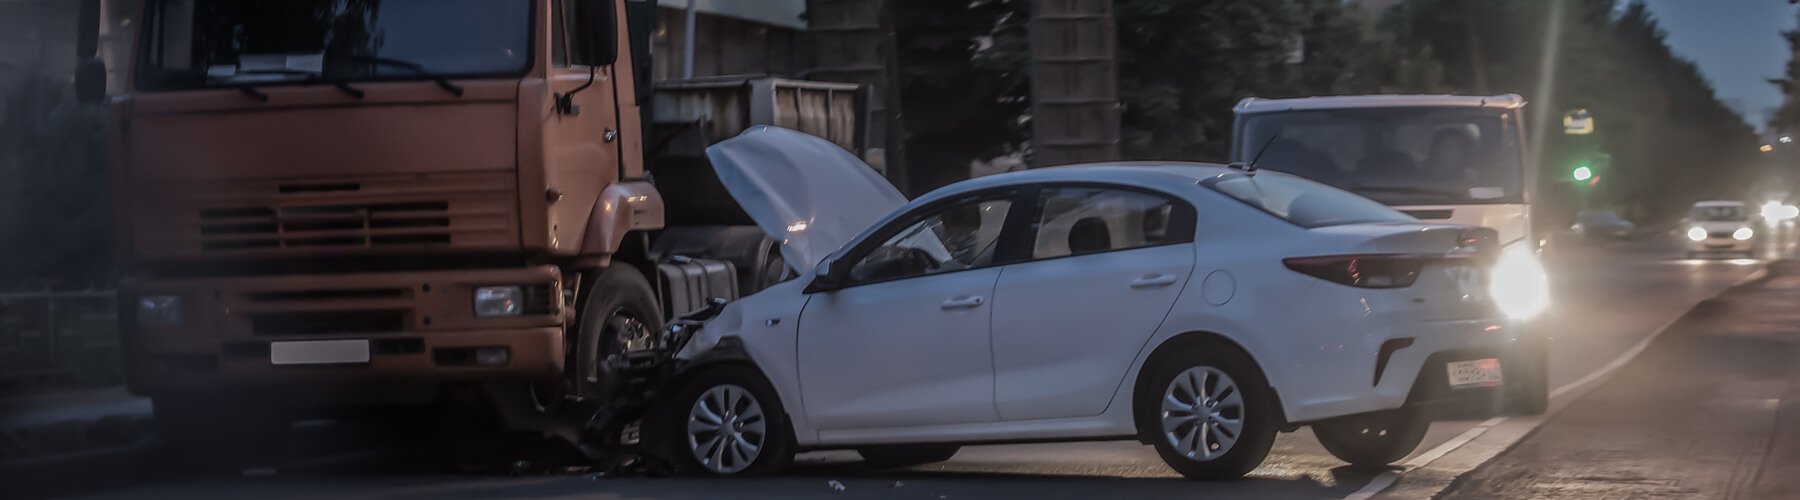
(1737, 44)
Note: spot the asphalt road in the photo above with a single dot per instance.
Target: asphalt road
(1606, 300)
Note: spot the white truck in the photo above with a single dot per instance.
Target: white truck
(1441, 158)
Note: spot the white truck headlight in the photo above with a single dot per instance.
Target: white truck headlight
(1743, 233)
(499, 301)
(1519, 284)
(1696, 234)
(159, 311)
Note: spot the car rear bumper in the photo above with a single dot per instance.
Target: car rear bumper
(419, 328)
(1411, 368)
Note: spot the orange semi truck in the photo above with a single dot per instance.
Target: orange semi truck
(333, 205)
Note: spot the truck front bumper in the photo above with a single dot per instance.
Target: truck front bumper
(419, 329)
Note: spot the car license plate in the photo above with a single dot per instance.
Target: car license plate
(1472, 374)
(322, 352)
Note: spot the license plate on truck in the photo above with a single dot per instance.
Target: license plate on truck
(1472, 374)
(320, 352)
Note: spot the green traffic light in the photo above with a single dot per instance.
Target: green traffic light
(1583, 173)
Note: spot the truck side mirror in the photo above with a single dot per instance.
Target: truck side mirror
(601, 18)
(90, 81)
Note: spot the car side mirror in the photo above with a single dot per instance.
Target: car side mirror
(90, 81)
(824, 279)
(601, 20)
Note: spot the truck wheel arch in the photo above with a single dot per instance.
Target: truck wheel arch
(622, 208)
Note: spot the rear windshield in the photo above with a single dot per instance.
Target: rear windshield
(1302, 202)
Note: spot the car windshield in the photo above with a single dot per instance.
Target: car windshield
(205, 43)
(1304, 203)
(1719, 213)
(1398, 156)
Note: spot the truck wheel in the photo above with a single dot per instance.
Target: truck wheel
(728, 421)
(1212, 415)
(212, 434)
(619, 315)
(907, 455)
(1373, 439)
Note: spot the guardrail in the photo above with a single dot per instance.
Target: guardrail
(59, 341)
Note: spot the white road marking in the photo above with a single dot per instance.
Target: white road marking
(1387, 479)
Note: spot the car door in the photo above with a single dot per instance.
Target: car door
(1105, 265)
(904, 341)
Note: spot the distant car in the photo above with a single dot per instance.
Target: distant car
(1594, 225)
(1714, 227)
(1196, 308)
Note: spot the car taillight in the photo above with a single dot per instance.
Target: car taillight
(1364, 271)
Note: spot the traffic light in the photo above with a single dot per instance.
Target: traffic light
(1583, 172)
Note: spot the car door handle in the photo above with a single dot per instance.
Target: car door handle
(1154, 280)
(964, 302)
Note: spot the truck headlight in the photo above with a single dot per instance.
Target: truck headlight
(159, 311)
(498, 301)
(1696, 234)
(1519, 284)
(1743, 233)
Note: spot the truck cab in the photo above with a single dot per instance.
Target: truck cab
(326, 205)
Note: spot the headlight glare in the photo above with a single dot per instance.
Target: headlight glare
(159, 311)
(1696, 234)
(1743, 233)
(498, 301)
(1519, 285)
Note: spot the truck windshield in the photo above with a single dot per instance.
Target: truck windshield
(207, 43)
(1397, 156)
(1719, 213)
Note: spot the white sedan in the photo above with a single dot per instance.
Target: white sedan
(1196, 308)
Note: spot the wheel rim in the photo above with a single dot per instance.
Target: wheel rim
(725, 429)
(628, 333)
(1202, 413)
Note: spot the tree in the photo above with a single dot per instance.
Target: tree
(963, 97)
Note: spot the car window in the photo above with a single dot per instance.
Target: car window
(1302, 202)
(1083, 220)
(1719, 213)
(961, 236)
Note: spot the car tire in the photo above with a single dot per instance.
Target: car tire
(734, 399)
(907, 455)
(1204, 445)
(1373, 439)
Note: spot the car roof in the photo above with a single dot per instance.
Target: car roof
(1254, 105)
(1719, 203)
(1154, 174)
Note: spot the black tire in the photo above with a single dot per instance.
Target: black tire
(1531, 394)
(1257, 411)
(774, 453)
(907, 455)
(620, 308)
(208, 433)
(1373, 439)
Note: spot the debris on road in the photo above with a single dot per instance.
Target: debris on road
(898, 484)
(835, 485)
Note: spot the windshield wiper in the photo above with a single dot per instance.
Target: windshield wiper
(409, 65)
(311, 77)
(1406, 189)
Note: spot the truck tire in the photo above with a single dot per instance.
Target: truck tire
(619, 313)
(211, 433)
(1373, 439)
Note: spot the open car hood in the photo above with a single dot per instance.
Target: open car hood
(804, 191)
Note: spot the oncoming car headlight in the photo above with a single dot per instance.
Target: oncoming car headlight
(1519, 284)
(1696, 234)
(1743, 233)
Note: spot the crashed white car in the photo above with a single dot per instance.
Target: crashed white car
(1197, 308)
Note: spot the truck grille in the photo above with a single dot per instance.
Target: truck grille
(465, 211)
(331, 225)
